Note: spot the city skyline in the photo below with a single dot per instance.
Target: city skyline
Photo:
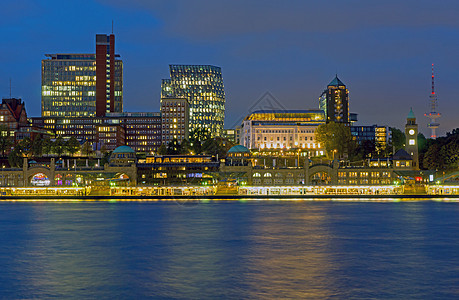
(286, 52)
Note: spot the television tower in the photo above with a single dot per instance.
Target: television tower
(433, 114)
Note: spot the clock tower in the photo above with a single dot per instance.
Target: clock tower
(411, 133)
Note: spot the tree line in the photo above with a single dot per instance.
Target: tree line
(40, 146)
(199, 142)
(441, 153)
(338, 142)
(434, 154)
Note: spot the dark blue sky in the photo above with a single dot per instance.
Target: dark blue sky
(382, 50)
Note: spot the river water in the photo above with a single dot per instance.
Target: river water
(236, 250)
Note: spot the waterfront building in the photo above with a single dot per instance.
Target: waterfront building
(178, 170)
(13, 117)
(14, 123)
(238, 156)
(110, 136)
(139, 130)
(202, 86)
(411, 134)
(231, 135)
(47, 172)
(83, 85)
(381, 136)
(282, 130)
(142, 129)
(334, 101)
(175, 118)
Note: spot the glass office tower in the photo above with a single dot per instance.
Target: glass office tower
(202, 86)
(83, 85)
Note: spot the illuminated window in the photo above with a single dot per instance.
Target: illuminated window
(411, 142)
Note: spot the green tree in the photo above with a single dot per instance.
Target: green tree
(216, 146)
(72, 146)
(86, 149)
(450, 152)
(398, 139)
(365, 150)
(37, 146)
(106, 157)
(186, 147)
(422, 142)
(197, 137)
(5, 140)
(24, 147)
(47, 146)
(336, 138)
(103, 149)
(434, 158)
(59, 146)
(174, 148)
(162, 150)
(15, 158)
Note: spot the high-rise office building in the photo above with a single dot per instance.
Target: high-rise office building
(334, 101)
(175, 114)
(202, 86)
(83, 85)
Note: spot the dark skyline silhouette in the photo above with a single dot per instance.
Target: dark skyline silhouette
(382, 51)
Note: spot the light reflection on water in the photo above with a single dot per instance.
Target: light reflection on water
(252, 249)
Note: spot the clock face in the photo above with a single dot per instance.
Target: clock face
(411, 132)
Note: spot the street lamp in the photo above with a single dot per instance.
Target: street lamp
(334, 151)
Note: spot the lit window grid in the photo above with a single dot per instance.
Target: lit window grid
(69, 87)
(203, 87)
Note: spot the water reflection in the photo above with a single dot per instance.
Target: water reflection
(311, 250)
(290, 254)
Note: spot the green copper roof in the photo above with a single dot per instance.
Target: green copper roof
(123, 149)
(336, 82)
(238, 149)
(411, 114)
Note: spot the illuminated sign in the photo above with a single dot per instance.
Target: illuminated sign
(40, 179)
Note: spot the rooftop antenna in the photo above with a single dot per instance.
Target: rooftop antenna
(433, 114)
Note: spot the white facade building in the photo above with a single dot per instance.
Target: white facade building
(290, 129)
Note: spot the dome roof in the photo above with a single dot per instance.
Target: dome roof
(238, 149)
(411, 114)
(123, 149)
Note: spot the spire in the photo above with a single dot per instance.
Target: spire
(411, 114)
(336, 81)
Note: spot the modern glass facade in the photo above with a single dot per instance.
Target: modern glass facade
(74, 84)
(202, 86)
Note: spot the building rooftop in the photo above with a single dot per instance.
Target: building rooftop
(411, 114)
(336, 82)
(123, 149)
(238, 149)
(401, 154)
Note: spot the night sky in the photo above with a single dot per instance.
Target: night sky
(382, 50)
